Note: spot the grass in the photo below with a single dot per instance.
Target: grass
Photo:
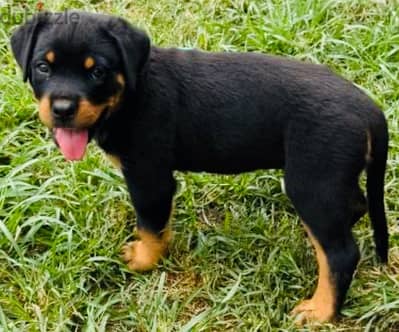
(239, 260)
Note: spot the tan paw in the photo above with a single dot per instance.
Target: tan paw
(312, 311)
(144, 254)
(139, 256)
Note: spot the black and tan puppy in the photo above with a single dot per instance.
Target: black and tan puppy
(157, 110)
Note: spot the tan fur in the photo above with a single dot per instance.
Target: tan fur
(45, 111)
(89, 62)
(88, 113)
(115, 99)
(120, 79)
(50, 56)
(144, 254)
(321, 307)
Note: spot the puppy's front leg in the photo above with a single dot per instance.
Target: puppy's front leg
(152, 195)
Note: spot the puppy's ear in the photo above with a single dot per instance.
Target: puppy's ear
(23, 41)
(133, 46)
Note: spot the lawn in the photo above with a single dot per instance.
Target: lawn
(240, 260)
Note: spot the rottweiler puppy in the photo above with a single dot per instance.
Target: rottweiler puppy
(155, 110)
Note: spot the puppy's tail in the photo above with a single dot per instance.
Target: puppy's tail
(377, 143)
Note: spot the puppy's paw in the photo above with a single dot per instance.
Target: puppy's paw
(139, 256)
(313, 310)
(144, 254)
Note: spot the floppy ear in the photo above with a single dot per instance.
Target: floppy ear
(133, 46)
(23, 41)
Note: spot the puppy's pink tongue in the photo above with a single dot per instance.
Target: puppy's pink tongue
(72, 142)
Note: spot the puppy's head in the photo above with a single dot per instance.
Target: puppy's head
(80, 66)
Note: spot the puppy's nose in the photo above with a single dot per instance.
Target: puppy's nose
(64, 108)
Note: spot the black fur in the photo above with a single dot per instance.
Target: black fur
(228, 113)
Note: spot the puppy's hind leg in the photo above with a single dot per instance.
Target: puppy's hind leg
(324, 208)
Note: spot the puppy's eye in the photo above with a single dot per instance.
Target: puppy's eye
(43, 68)
(98, 73)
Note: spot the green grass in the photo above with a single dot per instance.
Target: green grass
(239, 260)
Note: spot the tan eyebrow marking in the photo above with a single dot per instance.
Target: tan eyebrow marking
(50, 56)
(89, 62)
